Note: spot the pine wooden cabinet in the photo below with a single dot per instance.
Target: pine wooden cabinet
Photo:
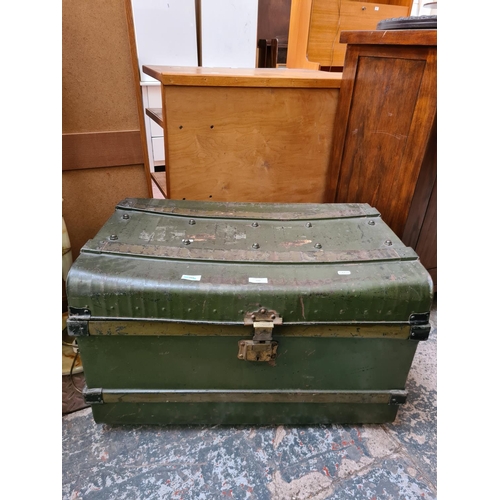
(384, 136)
(256, 135)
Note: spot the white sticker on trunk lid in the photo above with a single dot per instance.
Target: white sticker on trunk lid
(344, 272)
(190, 277)
(257, 280)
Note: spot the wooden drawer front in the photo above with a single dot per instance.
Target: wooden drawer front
(329, 19)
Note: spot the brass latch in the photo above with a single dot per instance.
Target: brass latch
(261, 347)
(257, 351)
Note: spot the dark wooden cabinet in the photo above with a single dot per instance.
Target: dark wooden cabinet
(272, 32)
(420, 230)
(384, 142)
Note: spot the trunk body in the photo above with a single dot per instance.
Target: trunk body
(242, 313)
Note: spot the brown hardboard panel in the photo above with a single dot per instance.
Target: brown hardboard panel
(101, 149)
(98, 86)
(90, 196)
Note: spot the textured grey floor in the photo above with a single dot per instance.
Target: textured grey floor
(396, 461)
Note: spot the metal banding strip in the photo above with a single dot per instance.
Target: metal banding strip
(291, 211)
(157, 328)
(252, 396)
(234, 255)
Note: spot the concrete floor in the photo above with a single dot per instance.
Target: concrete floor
(393, 461)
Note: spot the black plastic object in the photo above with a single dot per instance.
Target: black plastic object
(408, 23)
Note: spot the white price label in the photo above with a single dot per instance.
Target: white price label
(257, 280)
(344, 272)
(190, 277)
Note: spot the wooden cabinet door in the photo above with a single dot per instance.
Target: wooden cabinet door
(387, 107)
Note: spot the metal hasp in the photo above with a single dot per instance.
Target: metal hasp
(261, 347)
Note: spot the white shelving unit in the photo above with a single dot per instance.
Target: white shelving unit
(165, 33)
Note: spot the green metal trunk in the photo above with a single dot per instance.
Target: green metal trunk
(240, 313)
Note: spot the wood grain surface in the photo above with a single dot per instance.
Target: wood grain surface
(421, 198)
(240, 77)
(160, 180)
(298, 36)
(248, 144)
(386, 110)
(390, 37)
(426, 247)
(156, 115)
(134, 62)
(329, 18)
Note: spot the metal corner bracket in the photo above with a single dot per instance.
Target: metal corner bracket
(420, 327)
(78, 322)
(398, 398)
(77, 328)
(92, 396)
(420, 332)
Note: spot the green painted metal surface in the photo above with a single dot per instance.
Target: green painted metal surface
(173, 261)
(147, 272)
(211, 363)
(242, 413)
